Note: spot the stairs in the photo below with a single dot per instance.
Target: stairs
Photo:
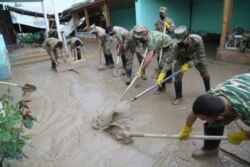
(24, 56)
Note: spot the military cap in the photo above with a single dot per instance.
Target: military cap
(163, 10)
(140, 31)
(180, 33)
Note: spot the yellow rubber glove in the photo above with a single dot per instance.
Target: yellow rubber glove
(185, 68)
(237, 137)
(160, 78)
(186, 130)
(166, 24)
(139, 73)
(100, 48)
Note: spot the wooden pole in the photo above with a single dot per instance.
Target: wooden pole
(74, 22)
(106, 13)
(226, 21)
(87, 19)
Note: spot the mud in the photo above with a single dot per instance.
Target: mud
(66, 103)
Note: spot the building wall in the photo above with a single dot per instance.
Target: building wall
(124, 18)
(241, 14)
(147, 11)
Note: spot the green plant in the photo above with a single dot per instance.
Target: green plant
(13, 118)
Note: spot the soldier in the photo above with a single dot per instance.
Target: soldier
(219, 107)
(166, 25)
(51, 45)
(189, 51)
(105, 42)
(132, 46)
(76, 47)
(154, 40)
(120, 34)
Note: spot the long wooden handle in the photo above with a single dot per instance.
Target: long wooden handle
(202, 137)
(8, 83)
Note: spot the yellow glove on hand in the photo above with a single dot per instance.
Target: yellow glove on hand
(100, 48)
(237, 137)
(139, 73)
(185, 68)
(166, 24)
(160, 78)
(186, 130)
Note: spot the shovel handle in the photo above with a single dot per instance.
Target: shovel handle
(8, 83)
(202, 137)
(154, 86)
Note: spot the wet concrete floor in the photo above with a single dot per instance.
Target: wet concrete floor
(65, 104)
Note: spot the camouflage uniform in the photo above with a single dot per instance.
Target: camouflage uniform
(106, 42)
(193, 54)
(237, 91)
(132, 46)
(159, 26)
(50, 45)
(121, 35)
(72, 46)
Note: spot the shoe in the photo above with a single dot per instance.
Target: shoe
(128, 80)
(111, 66)
(160, 91)
(177, 101)
(200, 153)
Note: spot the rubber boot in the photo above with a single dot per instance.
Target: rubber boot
(210, 147)
(128, 79)
(53, 65)
(78, 54)
(124, 64)
(206, 81)
(178, 92)
(106, 60)
(169, 72)
(111, 61)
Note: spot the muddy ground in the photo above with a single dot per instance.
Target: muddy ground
(65, 104)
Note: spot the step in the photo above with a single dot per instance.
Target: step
(29, 61)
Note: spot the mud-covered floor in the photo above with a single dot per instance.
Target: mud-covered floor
(65, 104)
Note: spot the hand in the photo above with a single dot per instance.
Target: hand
(57, 62)
(160, 78)
(139, 73)
(237, 137)
(185, 68)
(166, 24)
(186, 130)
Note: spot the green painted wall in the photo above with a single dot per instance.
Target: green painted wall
(124, 18)
(147, 11)
(241, 14)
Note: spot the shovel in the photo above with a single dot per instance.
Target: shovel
(135, 78)
(26, 87)
(154, 86)
(126, 137)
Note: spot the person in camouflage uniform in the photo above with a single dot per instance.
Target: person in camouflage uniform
(105, 42)
(166, 25)
(189, 51)
(131, 46)
(76, 46)
(120, 34)
(51, 45)
(228, 101)
(154, 40)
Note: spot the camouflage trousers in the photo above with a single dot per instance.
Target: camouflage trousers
(129, 54)
(201, 67)
(107, 43)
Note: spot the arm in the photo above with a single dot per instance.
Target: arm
(53, 57)
(148, 59)
(187, 128)
(190, 120)
(62, 53)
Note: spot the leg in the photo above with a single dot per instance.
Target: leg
(178, 84)
(78, 50)
(202, 68)
(129, 63)
(210, 147)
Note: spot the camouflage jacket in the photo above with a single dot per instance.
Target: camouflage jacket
(120, 33)
(158, 40)
(72, 41)
(133, 44)
(160, 27)
(237, 91)
(193, 54)
(50, 44)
